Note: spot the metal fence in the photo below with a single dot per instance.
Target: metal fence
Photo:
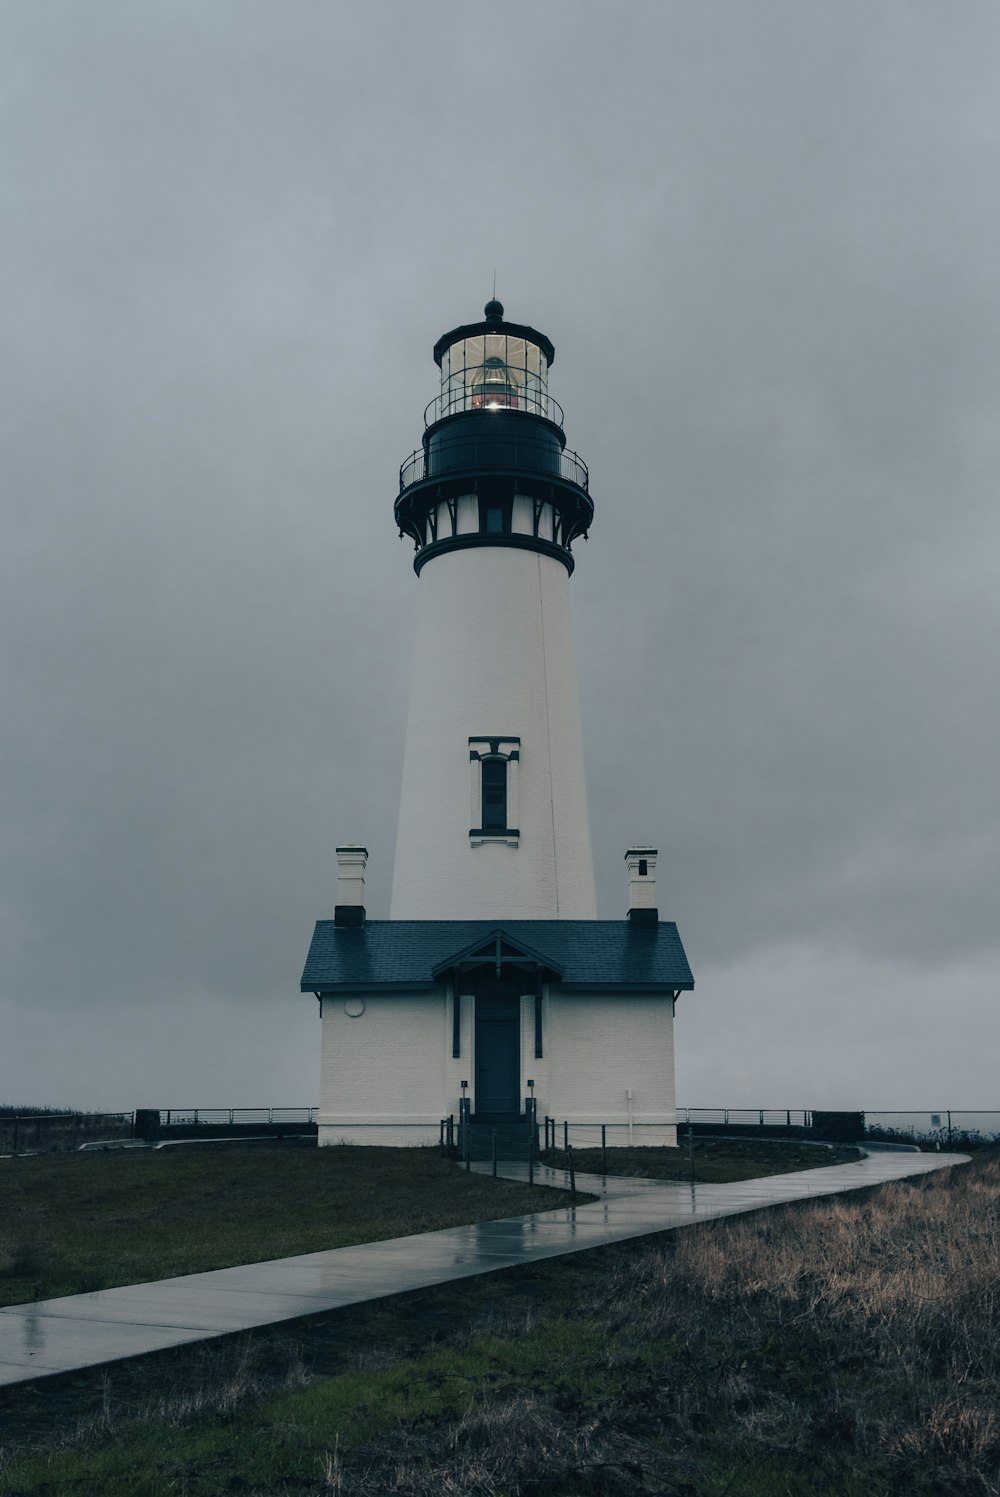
(62, 1132)
(743, 1117)
(945, 1129)
(56, 1132)
(223, 1117)
(557, 1134)
(948, 1128)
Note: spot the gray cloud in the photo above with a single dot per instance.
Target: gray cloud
(763, 240)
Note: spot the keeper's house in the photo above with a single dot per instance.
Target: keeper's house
(418, 1015)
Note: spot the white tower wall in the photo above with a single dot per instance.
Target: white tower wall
(494, 658)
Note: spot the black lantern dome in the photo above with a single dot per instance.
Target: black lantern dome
(493, 468)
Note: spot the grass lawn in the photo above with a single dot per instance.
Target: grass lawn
(715, 1160)
(846, 1347)
(78, 1222)
(74, 1223)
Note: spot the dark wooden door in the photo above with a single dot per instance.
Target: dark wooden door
(498, 1050)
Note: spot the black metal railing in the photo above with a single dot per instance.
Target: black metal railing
(493, 457)
(946, 1129)
(235, 1116)
(61, 1132)
(949, 1128)
(616, 1135)
(762, 1117)
(455, 402)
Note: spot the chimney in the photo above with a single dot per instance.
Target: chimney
(641, 864)
(350, 903)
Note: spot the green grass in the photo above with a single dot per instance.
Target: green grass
(75, 1223)
(288, 1438)
(715, 1161)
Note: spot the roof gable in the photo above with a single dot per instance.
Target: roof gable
(499, 948)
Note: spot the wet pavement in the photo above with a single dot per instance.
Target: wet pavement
(87, 1330)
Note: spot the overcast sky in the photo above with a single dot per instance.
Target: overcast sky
(764, 237)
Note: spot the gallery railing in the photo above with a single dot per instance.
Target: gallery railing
(498, 456)
(455, 402)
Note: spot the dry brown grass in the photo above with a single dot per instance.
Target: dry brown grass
(868, 1322)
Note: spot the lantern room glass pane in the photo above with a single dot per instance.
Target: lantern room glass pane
(493, 371)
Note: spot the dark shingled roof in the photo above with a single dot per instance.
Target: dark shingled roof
(407, 954)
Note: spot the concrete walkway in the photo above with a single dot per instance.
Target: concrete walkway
(86, 1330)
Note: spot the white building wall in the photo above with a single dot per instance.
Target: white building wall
(494, 657)
(385, 1076)
(597, 1048)
(389, 1076)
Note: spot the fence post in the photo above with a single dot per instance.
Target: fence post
(565, 1135)
(604, 1148)
(464, 1108)
(691, 1151)
(572, 1172)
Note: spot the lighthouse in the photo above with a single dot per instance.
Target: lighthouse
(493, 996)
(493, 815)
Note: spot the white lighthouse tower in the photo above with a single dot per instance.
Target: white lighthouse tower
(493, 819)
(493, 999)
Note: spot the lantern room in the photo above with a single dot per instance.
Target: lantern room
(493, 366)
